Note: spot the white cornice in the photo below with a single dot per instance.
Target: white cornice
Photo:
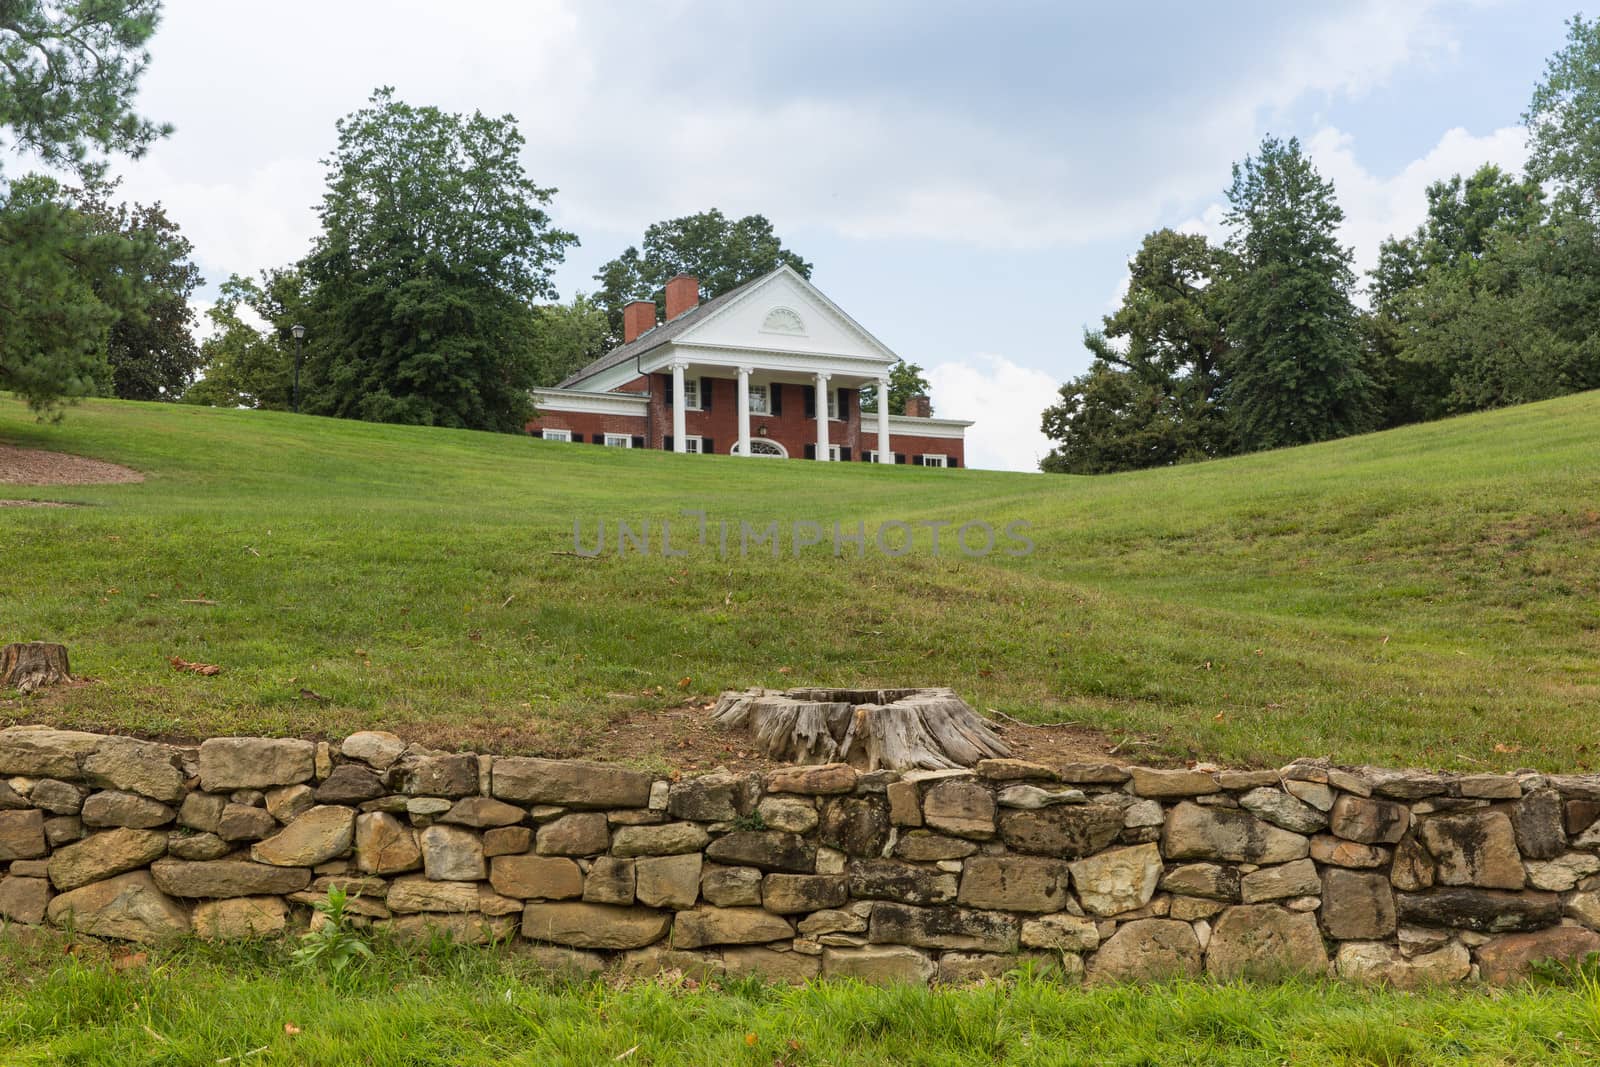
(914, 427)
(588, 402)
(731, 358)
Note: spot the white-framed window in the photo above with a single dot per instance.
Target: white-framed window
(691, 394)
(758, 400)
(932, 461)
(833, 403)
(869, 455)
(834, 454)
(557, 435)
(618, 440)
(691, 444)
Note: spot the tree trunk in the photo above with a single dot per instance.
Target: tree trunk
(33, 665)
(900, 729)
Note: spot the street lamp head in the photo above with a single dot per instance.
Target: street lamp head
(298, 330)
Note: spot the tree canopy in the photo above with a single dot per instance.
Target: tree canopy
(906, 380)
(721, 253)
(151, 351)
(419, 292)
(68, 73)
(1294, 365)
(1152, 395)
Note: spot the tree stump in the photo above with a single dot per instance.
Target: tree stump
(899, 729)
(33, 665)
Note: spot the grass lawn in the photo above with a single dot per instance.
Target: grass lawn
(197, 1005)
(1423, 596)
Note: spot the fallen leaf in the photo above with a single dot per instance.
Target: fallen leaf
(184, 666)
(684, 683)
(291, 1029)
(750, 1039)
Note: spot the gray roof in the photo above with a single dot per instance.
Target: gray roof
(652, 339)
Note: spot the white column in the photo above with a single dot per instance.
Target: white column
(884, 455)
(744, 411)
(822, 417)
(678, 444)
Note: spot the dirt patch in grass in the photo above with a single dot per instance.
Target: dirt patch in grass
(35, 504)
(684, 739)
(34, 466)
(671, 740)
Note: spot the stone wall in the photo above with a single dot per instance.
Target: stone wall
(1094, 869)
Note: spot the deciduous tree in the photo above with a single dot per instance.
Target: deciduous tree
(721, 253)
(435, 247)
(906, 380)
(1153, 395)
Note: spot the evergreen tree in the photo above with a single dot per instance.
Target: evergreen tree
(1294, 366)
(68, 72)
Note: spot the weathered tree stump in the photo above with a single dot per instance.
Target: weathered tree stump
(900, 729)
(33, 665)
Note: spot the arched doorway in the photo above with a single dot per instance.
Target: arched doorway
(761, 447)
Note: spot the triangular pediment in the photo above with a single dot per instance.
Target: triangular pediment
(784, 312)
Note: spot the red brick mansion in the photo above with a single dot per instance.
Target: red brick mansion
(772, 368)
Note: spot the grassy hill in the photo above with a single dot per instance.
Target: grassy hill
(1427, 595)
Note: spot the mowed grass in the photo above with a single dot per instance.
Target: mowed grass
(450, 1006)
(1424, 596)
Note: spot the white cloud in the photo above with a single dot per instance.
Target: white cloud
(615, 116)
(1005, 401)
(1378, 207)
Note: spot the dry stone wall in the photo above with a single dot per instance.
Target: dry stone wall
(1095, 870)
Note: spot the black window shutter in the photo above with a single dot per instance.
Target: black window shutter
(666, 444)
(899, 457)
(666, 388)
(707, 446)
(638, 442)
(596, 438)
(705, 394)
(811, 451)
(916, 461)
(844, 404)
(844, 454)
(775, 398)
(810, 393)
(952, 461)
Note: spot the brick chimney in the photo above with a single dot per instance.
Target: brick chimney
(683, 294)
(638, 317)
(919, 407)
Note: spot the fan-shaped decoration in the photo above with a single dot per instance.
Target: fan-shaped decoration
(900, 729)
(783, 320)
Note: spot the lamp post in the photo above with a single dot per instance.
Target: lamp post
(299, 332)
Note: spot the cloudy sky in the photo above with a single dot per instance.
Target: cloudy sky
(969, 180)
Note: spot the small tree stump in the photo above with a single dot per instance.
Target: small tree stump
(900, 729)
(33, 665)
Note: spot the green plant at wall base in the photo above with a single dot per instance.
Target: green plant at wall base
(334, 943)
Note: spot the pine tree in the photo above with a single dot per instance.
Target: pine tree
(1294, 367)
